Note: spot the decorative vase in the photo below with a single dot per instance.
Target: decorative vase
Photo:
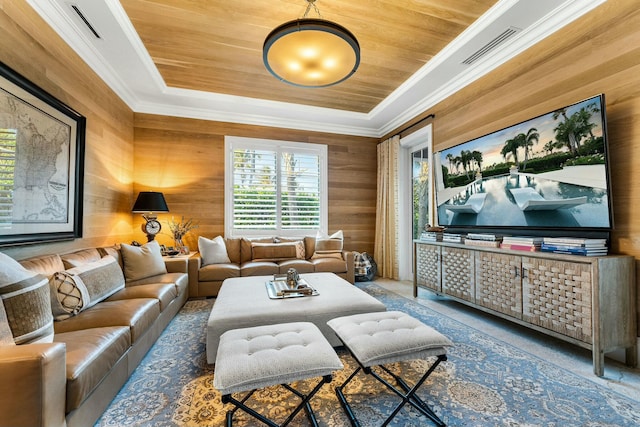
(184, 250)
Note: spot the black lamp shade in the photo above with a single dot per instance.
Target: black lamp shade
(150, 201)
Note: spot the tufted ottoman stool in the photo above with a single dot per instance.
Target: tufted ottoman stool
(376, 339)
(252, 358)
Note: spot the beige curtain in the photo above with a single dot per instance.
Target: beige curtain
(386, 239)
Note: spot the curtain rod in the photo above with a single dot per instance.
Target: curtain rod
(406, 128)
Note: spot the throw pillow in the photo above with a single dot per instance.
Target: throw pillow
(329, 247)
(68, 295)
(26, 302)
(143, 261)
(277, 251)
(82, 287)
(213, 251)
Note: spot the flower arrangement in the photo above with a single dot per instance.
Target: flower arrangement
(180, 228)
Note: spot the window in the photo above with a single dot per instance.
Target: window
(420, 182)
(7, 175)
(274, 187)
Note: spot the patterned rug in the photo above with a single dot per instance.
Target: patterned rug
(485, 382)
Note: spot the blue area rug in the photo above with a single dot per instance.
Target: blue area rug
(485, 382)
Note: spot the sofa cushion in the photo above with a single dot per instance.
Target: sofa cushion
(26, 302)
(180, 280)
(215, 272)
(233, 249)
(163, 292)
(78, 258)
(329, 247)
(213, 251)
(329, 265)
(114, 251)
(138, 314)
(301, 266)
(277, 251)
(91, 354)
(259, 268)
(142, 261)
(46, 264)
(246, 251)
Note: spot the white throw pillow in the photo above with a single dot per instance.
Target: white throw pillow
(329, 247)
(143, 261)
(213, 251)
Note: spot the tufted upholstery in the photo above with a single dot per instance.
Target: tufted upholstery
(386, 337)
(261, 356)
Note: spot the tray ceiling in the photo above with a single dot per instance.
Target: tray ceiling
(203, 58)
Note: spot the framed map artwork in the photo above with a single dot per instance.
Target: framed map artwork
(41, 164)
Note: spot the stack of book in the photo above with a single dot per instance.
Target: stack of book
(575, 246)
(483, 239)
(431, 236)
(521, 243)
(452, 238)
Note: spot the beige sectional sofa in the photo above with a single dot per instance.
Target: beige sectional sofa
(268, 256)
(72, 380)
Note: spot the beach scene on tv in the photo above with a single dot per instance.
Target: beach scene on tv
(547, 172)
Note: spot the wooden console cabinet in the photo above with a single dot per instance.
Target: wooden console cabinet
(588, 301)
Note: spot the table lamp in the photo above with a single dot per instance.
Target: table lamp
(147, 203)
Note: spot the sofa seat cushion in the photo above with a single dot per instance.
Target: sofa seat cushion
(301, 266)
(329, 265)
(180, 280)
(91, 354)
(138, 314)
(213, 272)
(163, 292)
(259, 268)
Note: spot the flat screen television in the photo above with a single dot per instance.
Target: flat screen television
(549, 173)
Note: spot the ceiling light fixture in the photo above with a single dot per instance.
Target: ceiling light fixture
(311, 52)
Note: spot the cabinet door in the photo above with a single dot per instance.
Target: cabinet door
(428, 266)
(498, 282)
(557, 296)
(458, 273)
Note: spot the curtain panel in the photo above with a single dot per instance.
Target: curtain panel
(386, 238)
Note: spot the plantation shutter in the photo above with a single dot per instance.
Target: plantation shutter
(300, 191)
(255, 196)
(275, 187)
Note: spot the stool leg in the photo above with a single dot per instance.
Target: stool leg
(343, 400)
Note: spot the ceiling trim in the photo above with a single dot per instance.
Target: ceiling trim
(121, 60)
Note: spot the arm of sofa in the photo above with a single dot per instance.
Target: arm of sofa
(349, 257)
(34, 385)
(195, 262)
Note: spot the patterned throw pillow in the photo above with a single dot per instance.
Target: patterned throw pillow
(143, 261)
(6, 337)
(329, 247)
(79, 288)
(26, 302)
(68, 295)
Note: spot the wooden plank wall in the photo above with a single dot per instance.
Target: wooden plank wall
(184, 158)
(32, 48)
(599, 53)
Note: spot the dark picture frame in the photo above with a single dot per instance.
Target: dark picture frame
(42, 149)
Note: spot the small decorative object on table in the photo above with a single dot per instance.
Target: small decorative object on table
(292, 278)
(178, 230)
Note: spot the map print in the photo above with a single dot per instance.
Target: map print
(40, 191)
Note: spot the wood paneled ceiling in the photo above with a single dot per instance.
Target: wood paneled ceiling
(203, 58)
(216, 45)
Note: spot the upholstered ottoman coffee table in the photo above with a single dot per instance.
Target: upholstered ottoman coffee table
(243, 302)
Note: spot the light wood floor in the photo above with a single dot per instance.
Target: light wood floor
(575, 359)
